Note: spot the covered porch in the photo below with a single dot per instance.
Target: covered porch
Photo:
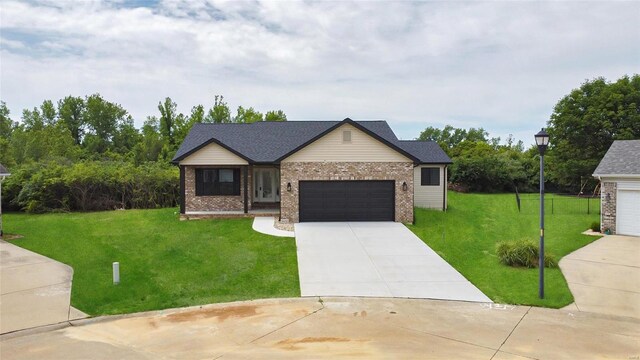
(219, 191)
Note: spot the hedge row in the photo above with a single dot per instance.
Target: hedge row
(90, 186)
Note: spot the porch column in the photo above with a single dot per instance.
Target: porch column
(245, 175)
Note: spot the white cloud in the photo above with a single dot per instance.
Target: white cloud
(501, 66)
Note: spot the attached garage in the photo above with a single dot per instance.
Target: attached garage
(628, 211)
(368, 200)
(619, 175)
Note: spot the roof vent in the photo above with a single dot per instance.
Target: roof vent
(346, 136)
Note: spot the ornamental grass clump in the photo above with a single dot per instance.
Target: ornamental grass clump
(595, 226)
(522, 253)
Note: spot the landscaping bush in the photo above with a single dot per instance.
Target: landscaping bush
(595, 226)
(522, 253)
(91, 186)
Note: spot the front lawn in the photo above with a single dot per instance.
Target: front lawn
(164, 262)
(467, 234)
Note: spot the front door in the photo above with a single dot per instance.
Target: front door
(266, 185)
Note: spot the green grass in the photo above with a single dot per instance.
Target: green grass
(467, 234)
(164, 262)
(168, 263)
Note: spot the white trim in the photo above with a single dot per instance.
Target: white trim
(624, 176)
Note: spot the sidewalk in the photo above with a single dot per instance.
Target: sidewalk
(34, 290)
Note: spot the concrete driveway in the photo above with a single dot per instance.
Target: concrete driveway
(604, 276)
(361, 328)
(34, 290)
(376, 259)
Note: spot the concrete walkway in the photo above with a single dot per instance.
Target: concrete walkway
(264, 224)
(34, 290)
(328, 328)
(604, 276)
(376, 259)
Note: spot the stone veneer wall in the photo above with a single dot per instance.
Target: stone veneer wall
(295, 171)
(608, 217)
(214, 203)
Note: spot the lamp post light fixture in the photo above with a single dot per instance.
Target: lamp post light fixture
(542, 140)
(3, 174)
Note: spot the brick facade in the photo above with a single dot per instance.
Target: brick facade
(214, 203)
(608, 195)
(292, 172)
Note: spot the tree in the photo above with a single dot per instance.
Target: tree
(49, 113)
(247, 115)
(103, 119)
(449, 137)
(32, 119)
(197, 114)
(149, 148)
(6, 128)
(585, 123)
(275, 115)
(126, 136)
(71, 112)
(167, 119)
(219, 113)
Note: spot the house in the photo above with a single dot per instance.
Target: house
(619, 174)
(309, 171)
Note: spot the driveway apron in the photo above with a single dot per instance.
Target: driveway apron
(375, 259)
(604, 276)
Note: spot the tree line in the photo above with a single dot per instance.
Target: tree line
(85, 153)
(582, 127)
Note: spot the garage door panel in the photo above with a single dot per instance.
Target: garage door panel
(628, 212)
(347, 201)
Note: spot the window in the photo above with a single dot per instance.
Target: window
(346, 136)
(217, 182)
(430, 177)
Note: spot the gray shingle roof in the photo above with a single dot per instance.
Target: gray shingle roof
(268, 142)
(622, 158)
(425, 151)
(3, 170)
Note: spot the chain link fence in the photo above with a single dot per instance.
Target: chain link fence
(558, 204)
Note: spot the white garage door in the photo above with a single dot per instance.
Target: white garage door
(628, 212)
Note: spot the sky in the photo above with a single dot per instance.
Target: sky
(497, 65)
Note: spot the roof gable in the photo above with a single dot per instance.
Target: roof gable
(361, 147)
(385, 140)
(213, 153)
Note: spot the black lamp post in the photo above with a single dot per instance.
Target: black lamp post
(542, 140)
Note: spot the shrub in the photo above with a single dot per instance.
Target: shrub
(522, 253)
(92, 185)
(595, 226)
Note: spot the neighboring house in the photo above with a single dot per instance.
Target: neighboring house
(309, 171)
(619, 174)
